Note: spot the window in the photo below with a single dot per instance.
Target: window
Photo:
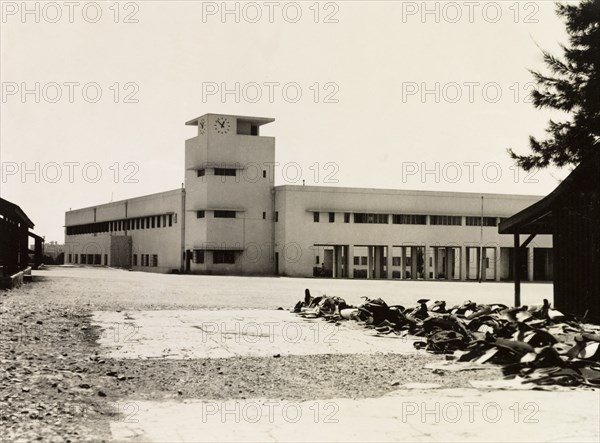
(264, 215)
(229, 172)
(276, 216)
(264, 174)
(409, 219)
(198, 256)
(153, 221)
(164, 221)
(346, 217)
(224, 214)
(476, 221)
(363, 261)
(317, 260)
(106, 259)
(357, 261)
(200, 172)
(395, 261)
(70, 258)
(448, 220)
(170, 220)
(371, 218)
(137, 223)
(316, 217)
(154, 260)
(158, 221)
(332, 217)
(200, 214)
(147, 260)
(134, 259)
(223, 257)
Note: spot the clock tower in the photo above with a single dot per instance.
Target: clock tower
(229, 196)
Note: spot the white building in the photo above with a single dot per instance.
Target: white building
(231, 219)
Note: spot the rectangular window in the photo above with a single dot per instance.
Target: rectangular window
(70, 258)
(363, 261)
(317, 260)
(332, 217)
(170, 220)
(158, 221)
(264, 215)
(134, 259)
(357, 261)
(447, 220)
(198, 256)
(153, 221)
(229, 172)
(223, 257)
(409, 219)
(224, 214)
(200, 172)
(276, 216)
(200, 214)
(264, 174)
(105, 259)
(476, 221)
(147, 259)
(154, 260)
(371, 218)
(316, 217)
(346, 217)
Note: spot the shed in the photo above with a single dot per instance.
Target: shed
(571, 214)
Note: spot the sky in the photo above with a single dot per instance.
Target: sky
(401, 95)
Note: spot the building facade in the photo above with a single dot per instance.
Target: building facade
(231, 219)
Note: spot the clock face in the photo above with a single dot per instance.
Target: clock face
(222, 125)
(202, 126)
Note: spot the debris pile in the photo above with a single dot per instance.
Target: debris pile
(539, 344)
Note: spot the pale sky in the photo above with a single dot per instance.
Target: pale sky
(375, 62)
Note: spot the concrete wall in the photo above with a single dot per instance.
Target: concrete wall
(297, 233)
(164, 241)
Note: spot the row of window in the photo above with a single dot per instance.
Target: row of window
(219, 214)
(224, 172)
(411, 219)
(128, 224)
(146, 260)
(219, 257)
(88, 259)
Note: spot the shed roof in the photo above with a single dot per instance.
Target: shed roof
(537, 218)
(14, 212)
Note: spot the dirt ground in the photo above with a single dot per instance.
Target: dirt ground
(56, 386)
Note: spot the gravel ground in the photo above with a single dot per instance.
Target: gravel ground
(55, 387)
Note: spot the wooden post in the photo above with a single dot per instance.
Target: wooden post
(517, 270)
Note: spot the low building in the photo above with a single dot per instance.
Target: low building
(570, 214)
(230, 219)
(15, 228)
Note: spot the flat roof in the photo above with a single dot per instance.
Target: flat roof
(258, 121)
(118, 202)
(413, 192)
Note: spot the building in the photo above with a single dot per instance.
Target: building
(570, 214)
(229, 218)
(14, 240)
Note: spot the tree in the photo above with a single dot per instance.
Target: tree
(573, 87)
